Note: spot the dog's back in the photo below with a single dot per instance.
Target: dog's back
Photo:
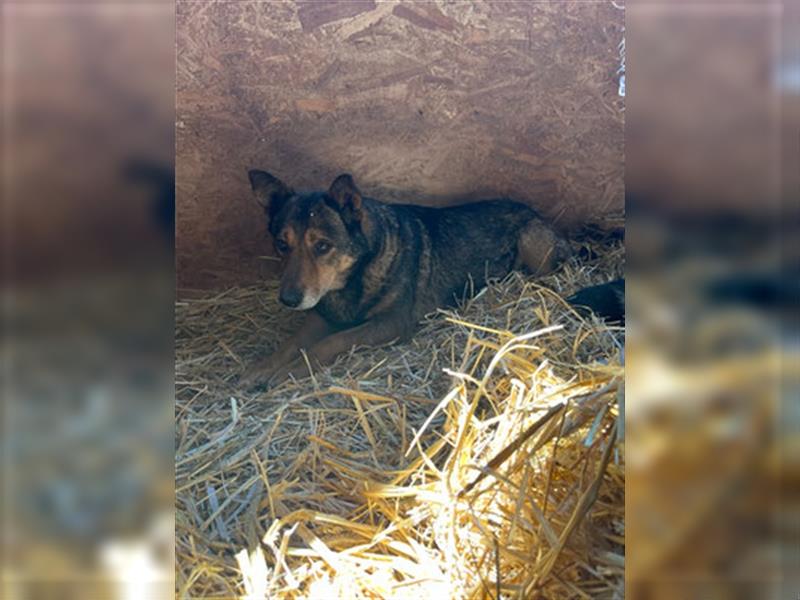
(468, 242)
(441, 251)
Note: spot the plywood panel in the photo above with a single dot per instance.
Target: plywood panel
(426, 102)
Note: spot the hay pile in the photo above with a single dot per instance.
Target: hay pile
(481, 460)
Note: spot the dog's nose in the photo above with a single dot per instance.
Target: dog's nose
(291, 297)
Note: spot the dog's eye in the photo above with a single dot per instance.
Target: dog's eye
(282, 247)
(322, 247)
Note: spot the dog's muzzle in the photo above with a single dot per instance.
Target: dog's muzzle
(292, 298)
(298, 300)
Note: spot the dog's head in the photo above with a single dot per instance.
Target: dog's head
(317, 235)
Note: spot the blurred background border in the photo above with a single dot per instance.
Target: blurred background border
(712, 118)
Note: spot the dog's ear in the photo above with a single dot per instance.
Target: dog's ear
(270, 191)
(344, 192)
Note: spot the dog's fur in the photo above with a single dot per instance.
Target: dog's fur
(368, 272)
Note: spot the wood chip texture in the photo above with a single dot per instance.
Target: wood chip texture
(433, 103)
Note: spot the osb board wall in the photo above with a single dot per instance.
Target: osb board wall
(431, 103)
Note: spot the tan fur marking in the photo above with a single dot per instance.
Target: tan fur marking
(540, 250)
(312, 236)
(289, 235)
(320, 275)
(331, 273)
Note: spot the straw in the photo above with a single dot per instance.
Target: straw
(467, 463)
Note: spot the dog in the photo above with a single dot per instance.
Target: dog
(367, 272)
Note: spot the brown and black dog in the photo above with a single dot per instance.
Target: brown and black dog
(368, 272)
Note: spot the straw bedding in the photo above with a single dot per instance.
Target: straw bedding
(483, 459)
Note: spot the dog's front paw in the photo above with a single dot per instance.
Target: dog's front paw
(257, 374)
(271, 373)
(297, 369)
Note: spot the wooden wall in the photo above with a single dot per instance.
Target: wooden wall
(427, 102)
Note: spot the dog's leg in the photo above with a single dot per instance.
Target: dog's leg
(540, 250)
(379, 330)
(314, 329)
